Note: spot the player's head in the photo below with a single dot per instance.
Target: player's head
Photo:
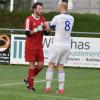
(37, 8)
(62, 7)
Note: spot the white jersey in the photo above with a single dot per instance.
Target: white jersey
(63, 27)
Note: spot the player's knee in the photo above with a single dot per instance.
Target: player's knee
(31, 65)
(51, 65)
(60, 67)
(41, 66)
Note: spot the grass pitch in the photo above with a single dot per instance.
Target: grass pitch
(80, 84)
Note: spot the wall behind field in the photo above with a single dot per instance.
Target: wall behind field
(86, 6)
(79, 6)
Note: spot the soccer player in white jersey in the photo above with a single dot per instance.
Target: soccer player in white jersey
(59, 52)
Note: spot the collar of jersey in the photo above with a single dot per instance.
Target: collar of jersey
(35, 17)
(65, 13)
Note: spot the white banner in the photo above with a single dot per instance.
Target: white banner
(17, 49)
(85, 52)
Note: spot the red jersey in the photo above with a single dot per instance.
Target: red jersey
(35, 41)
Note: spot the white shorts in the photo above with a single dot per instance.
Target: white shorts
(59, 54)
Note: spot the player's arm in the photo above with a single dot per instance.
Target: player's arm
(46, 30)
(27, 28)
(52, 24)
(37, 29)
(49, 27)
(34, 31)
(28, 32)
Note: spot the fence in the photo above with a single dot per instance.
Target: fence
(79, 6)
(85, 52)
(9, 31)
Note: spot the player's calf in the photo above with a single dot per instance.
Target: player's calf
(37, 69)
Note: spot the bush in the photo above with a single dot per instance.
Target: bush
(83, 22)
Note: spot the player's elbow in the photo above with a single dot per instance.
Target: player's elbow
(28, 34)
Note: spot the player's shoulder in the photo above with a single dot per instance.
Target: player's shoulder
(29, 17)
(66, 15)
(56, 16)
(70, 16)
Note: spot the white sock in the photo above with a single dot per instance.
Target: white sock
(61, 79)
(49, 75)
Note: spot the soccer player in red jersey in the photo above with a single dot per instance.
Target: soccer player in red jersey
(34, 26)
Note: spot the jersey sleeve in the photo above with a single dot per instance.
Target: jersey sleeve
(52, 24)
(27, 24)
(27, 27)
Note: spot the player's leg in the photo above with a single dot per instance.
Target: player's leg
(30, 56)
(49, 73)
(30, 76)
(40, 63)
(63, 58)
(39, 67)
(61, 79)
(49, 76)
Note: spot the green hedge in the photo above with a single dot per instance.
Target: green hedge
(83, 22)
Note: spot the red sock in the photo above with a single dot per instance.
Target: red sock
(30, 77)
(36, 71)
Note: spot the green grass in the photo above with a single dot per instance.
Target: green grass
(80, 84)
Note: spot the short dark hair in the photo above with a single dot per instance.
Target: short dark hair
(35, 5)
(65, 1)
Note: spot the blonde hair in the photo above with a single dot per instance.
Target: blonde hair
(64, 5)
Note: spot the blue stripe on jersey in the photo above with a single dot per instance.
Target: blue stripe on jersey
(52, 27)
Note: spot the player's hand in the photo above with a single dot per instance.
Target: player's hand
(46, 24)
(37, 29)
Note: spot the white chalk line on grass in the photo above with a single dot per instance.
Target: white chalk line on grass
(62, 97)
(20, 83)
(40, 81)
(51, 96)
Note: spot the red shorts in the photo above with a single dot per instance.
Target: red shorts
(35, 55)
